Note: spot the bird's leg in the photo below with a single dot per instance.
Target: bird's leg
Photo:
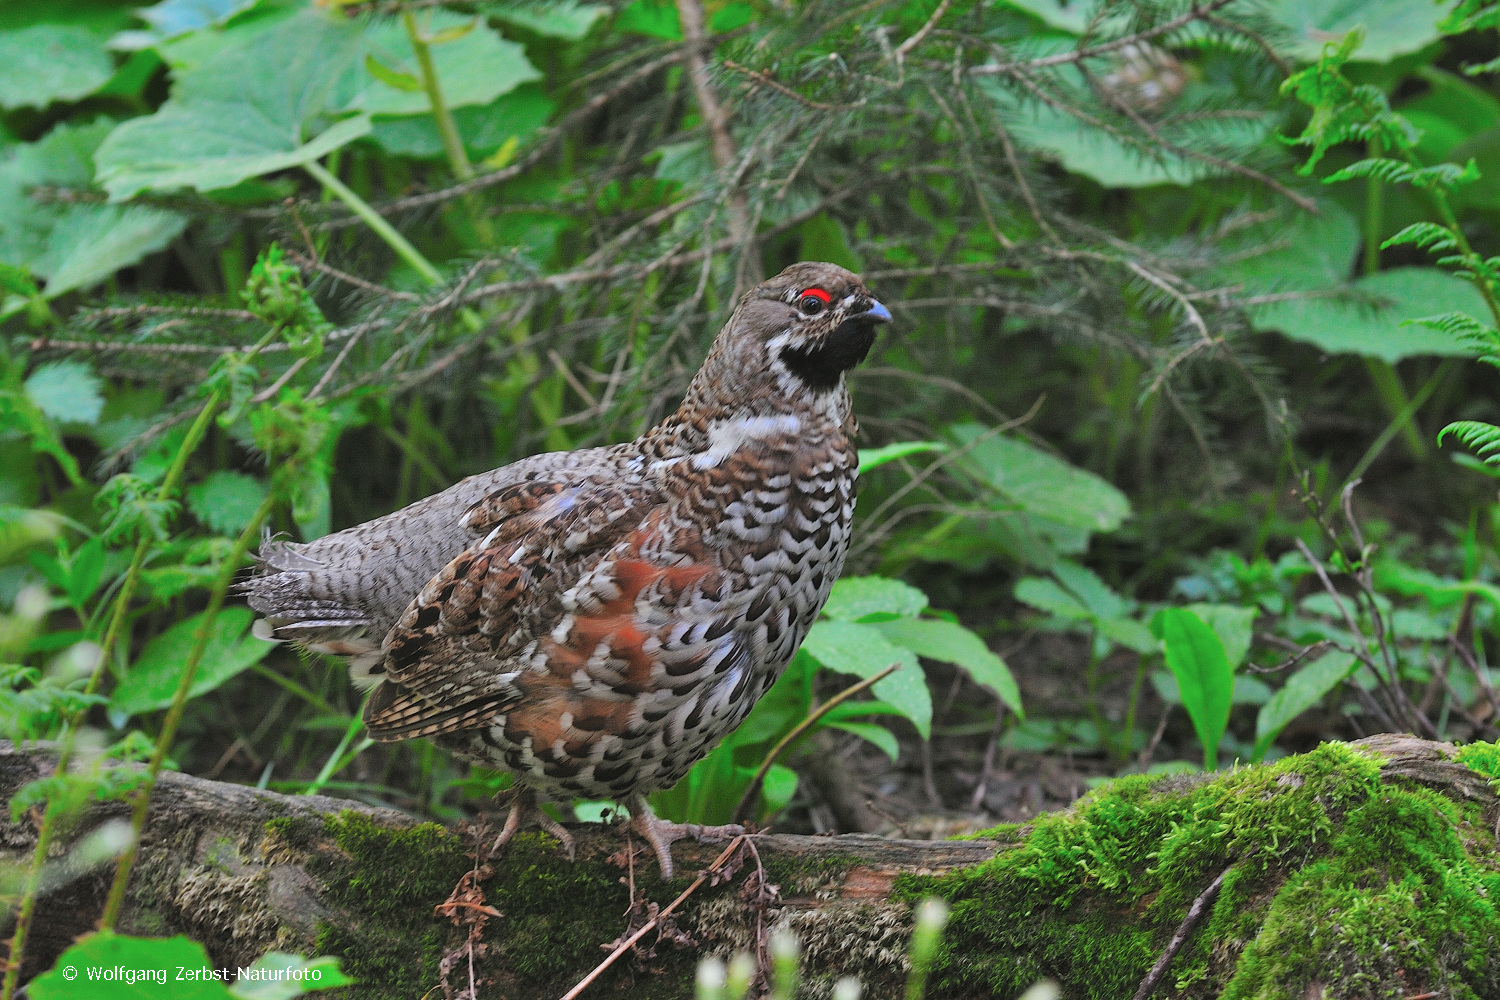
(525, 812)
(661, 834)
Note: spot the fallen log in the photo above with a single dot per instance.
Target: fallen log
(1366, 869)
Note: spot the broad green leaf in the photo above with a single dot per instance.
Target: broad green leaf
(1295, 251)
(277, 975)
(1392, 27)
(1046, 595)
(872, 733)
(731, 17)
(1129, 633)
(856, 597)
(226, 500)
(229, 119)
(474, 68)
(513, 116)
(1409, 293)
(776, 790)
(654, 18)
(72, 245)
(851, 648)
(171, 18)
(950, 643)
(874, 458)
(1302, 691)
(1205, 679)
(565, 19)
(1040, 483)
(66, 391)
(153, 677)
(1095, 594)
(1233, 624)
(1450, 111)
(1247, 690)
(1083, 148)
(156, 958)
(51, 62)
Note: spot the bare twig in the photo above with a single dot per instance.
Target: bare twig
(747, 800)
(628, 943)
(1194, 915)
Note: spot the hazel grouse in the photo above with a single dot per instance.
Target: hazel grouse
(595, 621)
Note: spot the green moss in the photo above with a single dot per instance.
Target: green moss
(388, 879)
(1482, 758)
(1336, 878)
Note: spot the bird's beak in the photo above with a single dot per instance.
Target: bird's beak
(877, 313)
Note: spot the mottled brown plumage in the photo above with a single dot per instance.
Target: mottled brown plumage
(596, 621)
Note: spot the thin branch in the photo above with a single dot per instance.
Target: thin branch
(1194, 915)
(747, 800)
(646, 928)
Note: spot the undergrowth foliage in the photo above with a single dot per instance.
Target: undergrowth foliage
(279, 267)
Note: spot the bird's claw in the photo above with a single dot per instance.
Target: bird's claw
(525, 812)
(661, 834)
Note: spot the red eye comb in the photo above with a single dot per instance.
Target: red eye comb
(817, 293)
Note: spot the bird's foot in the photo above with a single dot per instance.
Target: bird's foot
(661, 834)
(525, 812)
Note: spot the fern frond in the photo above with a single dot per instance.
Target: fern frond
(1481, 438)
(1484, 339)
(1381, 168)
(1445, 176)
(1423, 234)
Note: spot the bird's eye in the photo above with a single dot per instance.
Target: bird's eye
(813, 301)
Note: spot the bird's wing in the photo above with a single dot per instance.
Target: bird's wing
(362, 578)
(452, 660)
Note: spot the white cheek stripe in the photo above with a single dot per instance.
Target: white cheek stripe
(725, 437)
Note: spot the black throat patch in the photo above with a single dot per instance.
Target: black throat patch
(820, 365)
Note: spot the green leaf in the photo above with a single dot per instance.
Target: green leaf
(1045, 595)
(1233, 624)
(853, 648)
(66, 391)
(156, 968)
(229, 119)
(51, 62)
(73, 245)
(1095, 594)
(857, 597)
(516, 115)
(158, 958)
(1129, 633)
(1295, 251)
(776, 790)
(1481, 438)
(86, 572)
(1391, 27)
(823, 238)
(872, 733)
(874, 458)
(654, 18)
(1410, 293)
(950, 643)
(1302, 691)
(171, 18)
(1247, 690)
(474, 68)
(565, 19)
(1039, 483)
(1205, 678)
(226, 500)
(153, 677)
(277, 975)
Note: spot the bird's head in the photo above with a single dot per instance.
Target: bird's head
(797, 333)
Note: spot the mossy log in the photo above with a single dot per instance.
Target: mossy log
(1356, 870)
